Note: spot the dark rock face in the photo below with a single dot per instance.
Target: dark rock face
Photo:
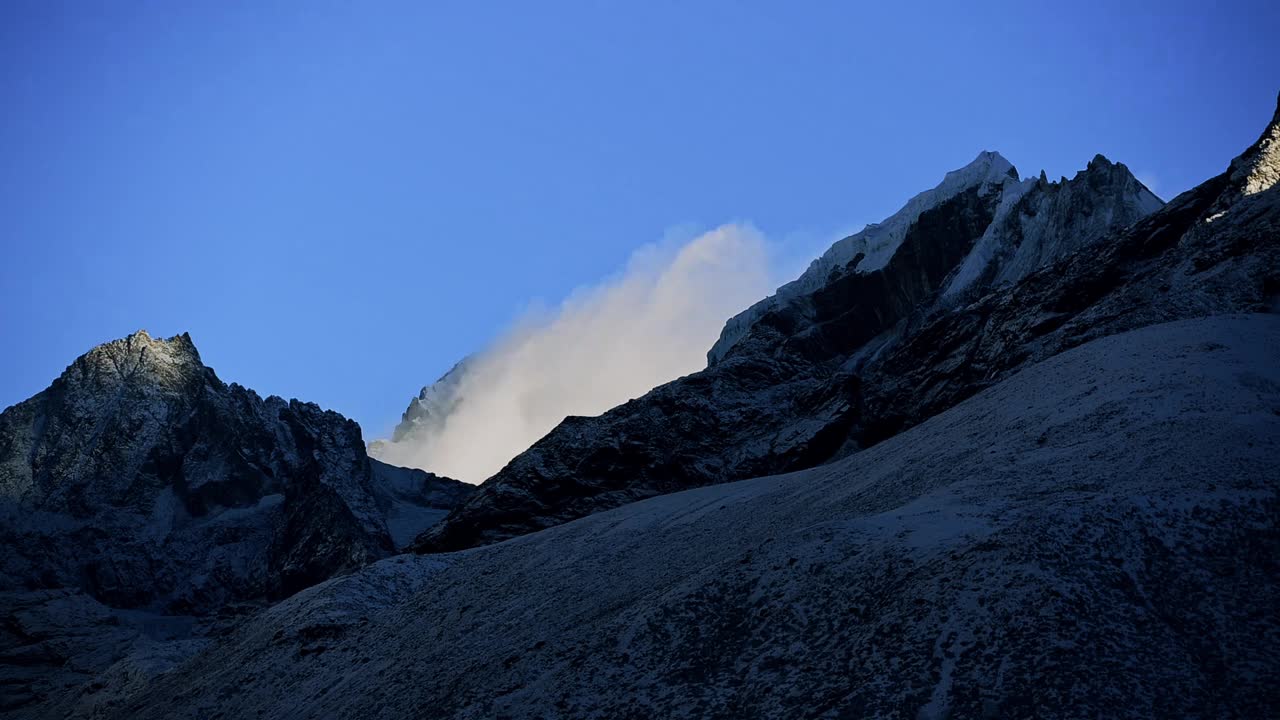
(411, 500)
(137, 445)
(139, 481)
(966, 299)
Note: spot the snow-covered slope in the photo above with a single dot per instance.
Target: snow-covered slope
(1033, 224)
(1093, 537)
(1039, 222)
(875, 244)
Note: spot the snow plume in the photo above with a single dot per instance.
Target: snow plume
(603, 346)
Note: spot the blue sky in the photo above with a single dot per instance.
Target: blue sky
(339, 200)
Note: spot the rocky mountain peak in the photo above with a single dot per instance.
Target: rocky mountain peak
(176, 348)
(429, 409)
(1258, 169)
(875, 245)
(1051, 219)
(138, 359)
(139, 490)
(990, 165)
(1106, 181)
(1101, 170)
(1039, 222)
(146, 455)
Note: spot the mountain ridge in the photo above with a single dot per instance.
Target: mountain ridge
(1022, 424)
(1087, 538)
(784, 393)
(876, 242)
(139, 491)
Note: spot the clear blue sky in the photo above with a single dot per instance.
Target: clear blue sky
(339, 200)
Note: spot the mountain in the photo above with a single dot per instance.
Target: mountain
(786, 384)
(1095, 536)
(966, 284)
(432, 405)
(1012, 452)
(872, 248)
(140, 486)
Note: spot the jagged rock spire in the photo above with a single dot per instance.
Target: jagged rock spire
(1258, 169)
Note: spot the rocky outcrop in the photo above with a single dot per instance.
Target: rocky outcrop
(433, 404)
(787, 385)
(1258, 169)
(140, 483)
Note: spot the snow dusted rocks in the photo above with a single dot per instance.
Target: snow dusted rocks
(1213, 249)
(872, 248)
(1039, 223)
(996, 274)
(1093, 537)
(139, 482)
(764, 408)
(431, 407)
(784, 387)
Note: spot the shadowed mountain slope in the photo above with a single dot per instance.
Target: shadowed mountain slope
(1094, 536)
(139, 492)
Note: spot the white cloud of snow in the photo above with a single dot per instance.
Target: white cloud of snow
(601, 347)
